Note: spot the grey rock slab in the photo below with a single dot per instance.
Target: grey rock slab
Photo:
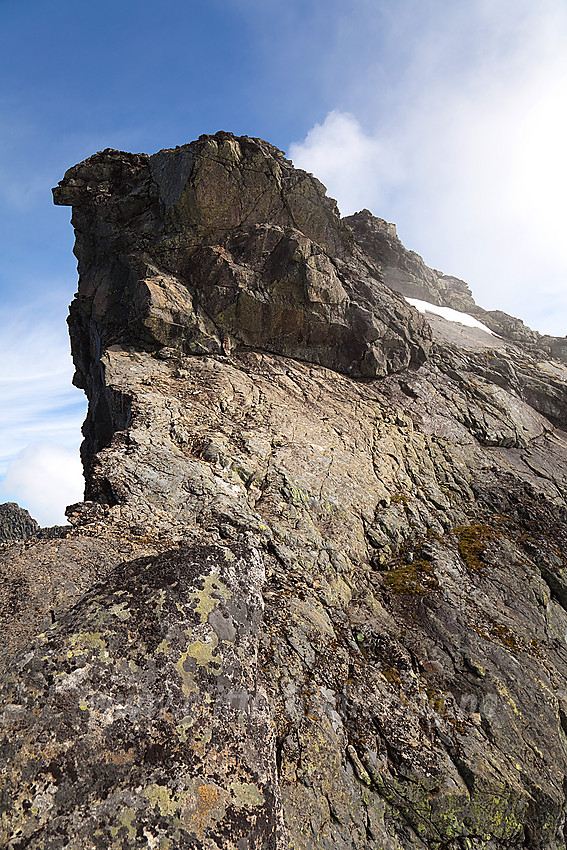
(139, 718)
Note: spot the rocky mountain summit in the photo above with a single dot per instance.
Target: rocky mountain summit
(316, 596)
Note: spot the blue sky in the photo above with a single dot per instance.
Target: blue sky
(447, 118)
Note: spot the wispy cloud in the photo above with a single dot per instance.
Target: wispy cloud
(354, 165)
(40, 416)
(465, 150)
(44, 478)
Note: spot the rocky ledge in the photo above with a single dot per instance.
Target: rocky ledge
(317, 595)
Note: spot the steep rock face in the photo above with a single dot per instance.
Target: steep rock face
(405, 272)
(403, 684)
(217, 245)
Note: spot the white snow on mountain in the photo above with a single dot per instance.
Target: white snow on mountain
(449, 314)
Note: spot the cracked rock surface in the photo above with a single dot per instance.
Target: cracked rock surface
(316, 596)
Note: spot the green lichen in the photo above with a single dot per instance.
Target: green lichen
(163, 647)
(339, 591)
(491, 810)
(201, 739)
(125, 819)
(160, 602)
(203, 651)
(161, 797)
(246, 794)
(206, 600)
(183, 726)
(82, 642)
(188, 685)
(120, 611)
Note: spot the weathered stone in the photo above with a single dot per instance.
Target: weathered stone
(404, 271)
(222, 244)
(16, 523)
(122, 722)
(257, 391)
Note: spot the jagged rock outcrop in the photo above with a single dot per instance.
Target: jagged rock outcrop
(221, 245)
(259, 398)
(404, 271)
(16, 523)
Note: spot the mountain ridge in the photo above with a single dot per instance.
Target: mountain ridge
(316, 596)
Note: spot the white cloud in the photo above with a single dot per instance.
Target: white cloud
(356, 165)
(40, 415)
(466, 151)
(37, 399)
(44, 478)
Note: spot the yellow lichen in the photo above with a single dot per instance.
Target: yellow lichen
(203, 651)
(162, 797)
(204, 601)
(184, 724)
(82, 642)
(207, 803)
(125, 819)
(188, 685)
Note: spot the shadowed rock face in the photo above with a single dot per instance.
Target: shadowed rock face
(16, 523)
(223, 243)
(258, 397)
(403, 270)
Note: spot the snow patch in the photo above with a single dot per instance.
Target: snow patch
(449, 314)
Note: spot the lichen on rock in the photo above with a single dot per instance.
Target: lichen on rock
(260, 396)
(121, 721)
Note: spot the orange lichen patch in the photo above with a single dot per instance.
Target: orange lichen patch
(207, 802)
(502, 633)
(436, 700)
(506, 635)
(392, 675)
(122, 757)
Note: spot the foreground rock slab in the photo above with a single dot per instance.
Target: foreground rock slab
(122, 721)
